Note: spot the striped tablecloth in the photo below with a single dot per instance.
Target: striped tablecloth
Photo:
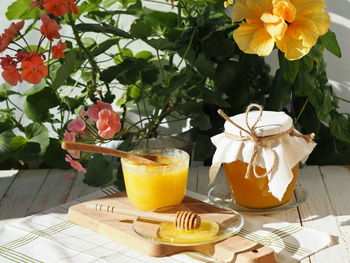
(49, 237)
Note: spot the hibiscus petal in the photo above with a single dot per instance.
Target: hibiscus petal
(262, 43)
(239, 11)
(244, 36)
(257, 8)
(321, 19)
(304, 7)
(292, 47)
(306, 30)
(277, 30)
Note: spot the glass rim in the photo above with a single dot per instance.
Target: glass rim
(154, 151)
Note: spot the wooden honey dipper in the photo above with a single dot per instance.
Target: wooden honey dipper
(185, 220)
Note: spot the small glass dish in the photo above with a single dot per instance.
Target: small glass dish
(220, 195)
(229, 223)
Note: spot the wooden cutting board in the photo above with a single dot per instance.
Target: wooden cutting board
(118, 227)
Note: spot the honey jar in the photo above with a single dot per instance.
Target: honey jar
(260, 152)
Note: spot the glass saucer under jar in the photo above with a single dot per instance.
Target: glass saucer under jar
(220, 195)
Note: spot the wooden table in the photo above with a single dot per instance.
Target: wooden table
(327, 208)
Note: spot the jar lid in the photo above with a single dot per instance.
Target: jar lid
(270, 123)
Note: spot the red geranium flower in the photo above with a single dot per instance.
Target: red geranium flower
(57, 51)
(9, 34)
(49, 28)
(11, 75)
(34, 69)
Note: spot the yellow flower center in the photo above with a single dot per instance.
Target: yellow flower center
(276, 22)
(284, 9)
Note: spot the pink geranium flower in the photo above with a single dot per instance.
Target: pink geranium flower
(77, 125)
(95, 109)
(75, 164)
(108, 123)
(70, 137)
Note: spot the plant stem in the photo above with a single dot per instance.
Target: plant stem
(160, 65)
(95, 68)
(188, 47)
(39, 44)
(342, 99)
(302, 110)
(25, 41)
(18, 108)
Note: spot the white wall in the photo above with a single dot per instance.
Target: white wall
(338, 69)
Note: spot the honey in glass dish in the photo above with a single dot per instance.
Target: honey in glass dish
(254, 192)
(150, 187)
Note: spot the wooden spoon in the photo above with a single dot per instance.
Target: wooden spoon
(186, 220)
(139, 158)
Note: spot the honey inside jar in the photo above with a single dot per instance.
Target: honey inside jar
(254, 192)
(150, 187)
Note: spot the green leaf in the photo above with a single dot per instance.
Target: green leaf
(188, 108)
(6, 91)
(130, 70)
(304, 84)
(329, 41)
(161, 21)
(231, 79)
(134, 92)
(36, 106)
(322, 101)
(203, 148)
(160, 44)
(54, 155)
(65, 70)
(104, 46)
(280, 93)
(24, 150)
(340, 127)
(99, 171)
(307, 63)
(178, 81)
(5, 142)
(110, 73)
(97, 28)
(218, 46)
(212, 97)
(38, 133)
(21, 9)
(289, 69)
(316, 53)
(146, 55)
(201, 121)
(35, 89)
(204, 65)
(73, 103)
(309, 121)
(125, 53)
(140, 29)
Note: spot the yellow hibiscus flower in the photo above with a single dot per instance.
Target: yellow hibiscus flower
(294, 25)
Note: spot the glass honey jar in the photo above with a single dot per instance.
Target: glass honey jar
(260, 152)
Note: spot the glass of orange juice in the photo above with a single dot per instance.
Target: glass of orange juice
(150, 187)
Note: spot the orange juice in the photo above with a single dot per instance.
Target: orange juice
(254, 192)
(151, 187)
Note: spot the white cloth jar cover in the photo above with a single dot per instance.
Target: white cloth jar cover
(262, 138)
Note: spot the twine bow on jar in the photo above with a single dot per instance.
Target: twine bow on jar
(260, 142)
